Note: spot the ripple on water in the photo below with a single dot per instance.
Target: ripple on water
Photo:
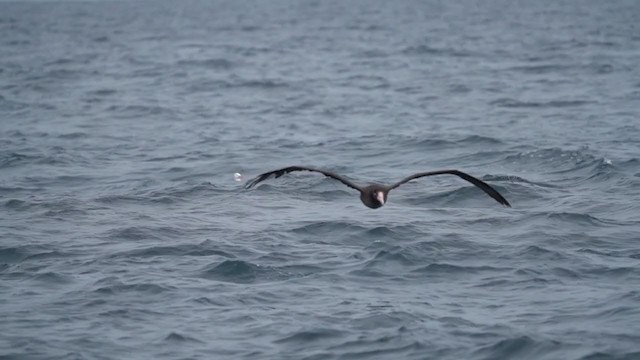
(307, 336)
(118, 288)
(244, 272)
(565, 218)
(36, 253)
(327, 227)
(175, 337)
(386, 258)
(444, 268)
(521, 347)
(51, 278)
(613, 355)
(145, 233)
(512, 103)
(122, 124)
(212, 63)
(382, 347)
(206, 248)
(541, 253)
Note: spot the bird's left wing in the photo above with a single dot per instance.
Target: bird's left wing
(475, 181)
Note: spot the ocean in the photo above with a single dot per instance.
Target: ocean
(124, 234)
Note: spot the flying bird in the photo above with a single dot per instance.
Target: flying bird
(375, 195)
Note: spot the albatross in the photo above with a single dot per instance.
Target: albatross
(375, 195)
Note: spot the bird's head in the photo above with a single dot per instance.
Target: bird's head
(374, 196)
(378, 198)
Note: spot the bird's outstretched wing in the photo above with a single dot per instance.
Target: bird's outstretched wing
(475, 181)
(280, 172)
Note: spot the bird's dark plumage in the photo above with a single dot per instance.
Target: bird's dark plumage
(289, 169)
(375, 195)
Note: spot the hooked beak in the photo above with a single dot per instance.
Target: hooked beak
(380, 197)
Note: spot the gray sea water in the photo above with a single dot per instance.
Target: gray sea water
(123, 234)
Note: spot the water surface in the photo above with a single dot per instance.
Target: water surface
(124, 235)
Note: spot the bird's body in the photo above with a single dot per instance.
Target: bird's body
(375, 195)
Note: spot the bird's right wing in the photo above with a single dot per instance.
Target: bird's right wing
(280, 172)
(475, 181)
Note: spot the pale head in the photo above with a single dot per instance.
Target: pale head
(374, 196)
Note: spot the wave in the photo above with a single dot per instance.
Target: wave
(51, 278)
(439, 51)
(17, 254)
(55, 156)
(13, 105)
(15, 204)
(327, 227)
(348, 231)
(175, 337)
(365, 82)
(168, 195)
(612, 272)
(512, 103)
(99, 93)
(541, 69)
(570, 218)
(146, 288)
(580, 164)
(206, 248)
(430, 143)
(122, 199)
(139, 110)
(563, 272)
(304, 337)
(244, 272)
(385, 258)
(371, 53)
(521, 347)
(208, 85)
(448, 269)
(10, 159)
(613, 355)
(144, 233)
(517, 179)
(540, 253)
(556, 154)
(381, 347)
(479, 140)
(74, 135)
(362, 144)
(212, 63)
(614, 254)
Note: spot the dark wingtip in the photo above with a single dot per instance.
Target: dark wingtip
(496, 195)
(484, 186)
(250, 184)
